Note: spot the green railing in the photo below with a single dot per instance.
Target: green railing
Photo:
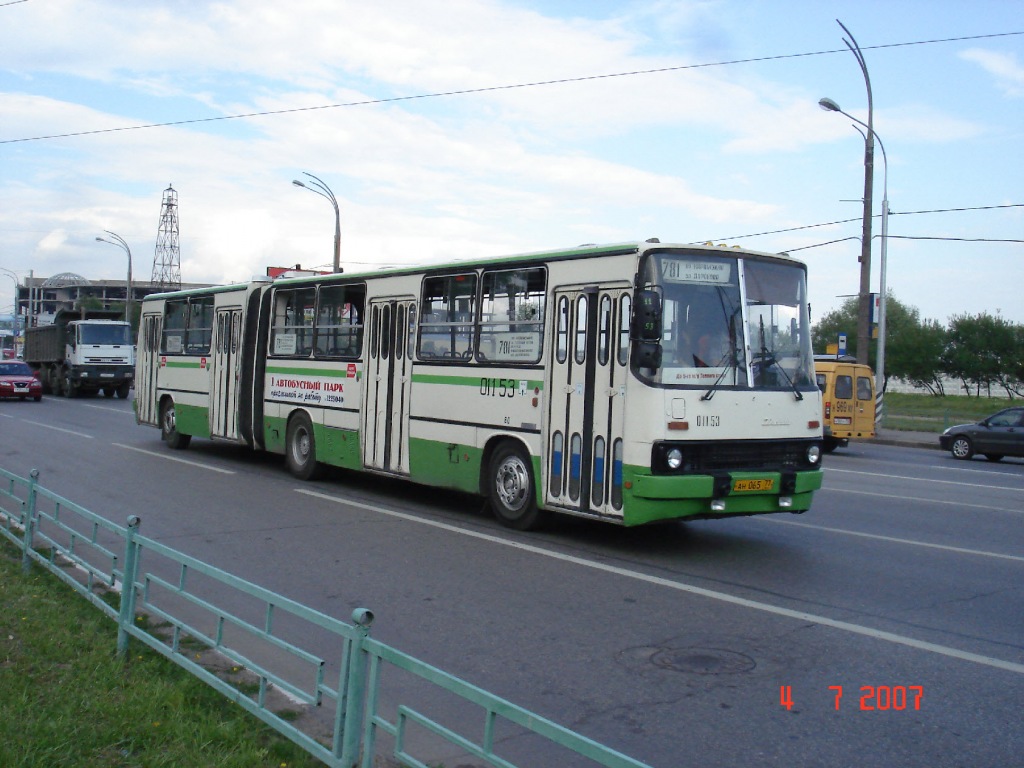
(323, 683)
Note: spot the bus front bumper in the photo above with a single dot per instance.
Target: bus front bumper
(664, 497)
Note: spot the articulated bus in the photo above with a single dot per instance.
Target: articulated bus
(628, 383)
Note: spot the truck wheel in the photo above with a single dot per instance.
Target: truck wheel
(510, 488)
(108, 391)
(169, 427)
(68, 388)
(124, 390)
(300, 448)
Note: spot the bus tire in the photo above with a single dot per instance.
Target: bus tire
(169, 427)
(300, 448)
(510, 488)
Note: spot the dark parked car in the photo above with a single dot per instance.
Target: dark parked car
(1001, 434)
(17, 380)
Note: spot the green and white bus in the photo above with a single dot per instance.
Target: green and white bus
(629, 383)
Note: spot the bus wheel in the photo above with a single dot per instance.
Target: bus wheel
(511, 488)
(169, 427)
(300, 448)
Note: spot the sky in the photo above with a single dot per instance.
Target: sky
(475, 128)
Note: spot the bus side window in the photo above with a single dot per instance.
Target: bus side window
(175, 320)
(447, 314)
(820, 378)
(511, 324)
(200, 326)
(292, 331)
(339, 321)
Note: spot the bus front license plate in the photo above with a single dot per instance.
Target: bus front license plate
(753, 485)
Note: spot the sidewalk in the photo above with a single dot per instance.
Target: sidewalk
(906, 438)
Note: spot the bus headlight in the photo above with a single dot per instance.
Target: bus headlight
(674, 459)
(813, 454)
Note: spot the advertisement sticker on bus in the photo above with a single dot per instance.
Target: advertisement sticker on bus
(306, 389)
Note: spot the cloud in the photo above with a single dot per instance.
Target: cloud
(1008, 72)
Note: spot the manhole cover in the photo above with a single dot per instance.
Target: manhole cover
(703, 661)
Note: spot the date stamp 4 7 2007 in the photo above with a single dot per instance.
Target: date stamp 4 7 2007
(883, 698)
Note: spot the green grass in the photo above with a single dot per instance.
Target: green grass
(933, 414)
(66, 701)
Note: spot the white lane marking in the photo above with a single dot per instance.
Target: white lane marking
(930, 481)
(846, 626)
(107, 408)
(59, 429)
(987, 507)
(892, 539)
(175, 458)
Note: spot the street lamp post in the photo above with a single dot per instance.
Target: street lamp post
(14, 278)
(119, 241)
(864, 295)
(321, 188)
(830, 106)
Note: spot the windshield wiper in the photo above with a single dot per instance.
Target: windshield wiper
(768, 359)
(729, 357)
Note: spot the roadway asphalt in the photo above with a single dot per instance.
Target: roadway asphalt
(906, 438)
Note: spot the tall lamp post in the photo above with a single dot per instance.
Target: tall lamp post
(864, 295)
(321, 188)
(14, 277)
(119, 241)
(830, 106)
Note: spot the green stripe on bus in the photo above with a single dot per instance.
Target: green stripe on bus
(181, 364)
(331, 373)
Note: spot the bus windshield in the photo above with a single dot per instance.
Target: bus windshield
(730, 323)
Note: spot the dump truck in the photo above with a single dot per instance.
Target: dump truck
(83, 351)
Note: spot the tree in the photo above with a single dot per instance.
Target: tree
(917, 356)
(981, 351)
(913, 348)
(842, 320)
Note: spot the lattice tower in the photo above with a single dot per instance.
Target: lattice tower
(167, 259)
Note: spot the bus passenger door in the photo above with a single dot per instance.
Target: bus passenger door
(585, 418)
(224, 373)
(148, 368)
(388, 373)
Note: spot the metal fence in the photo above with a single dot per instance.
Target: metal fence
(341, 695)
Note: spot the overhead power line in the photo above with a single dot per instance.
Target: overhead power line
(847, 221)
(493, 88)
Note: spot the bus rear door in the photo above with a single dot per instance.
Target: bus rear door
(225, 373)
(388, 372)
(148, 368)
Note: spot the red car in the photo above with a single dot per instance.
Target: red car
(17, 380)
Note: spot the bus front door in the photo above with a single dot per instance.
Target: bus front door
(224, 374)
(388, 372)
(585, 417)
